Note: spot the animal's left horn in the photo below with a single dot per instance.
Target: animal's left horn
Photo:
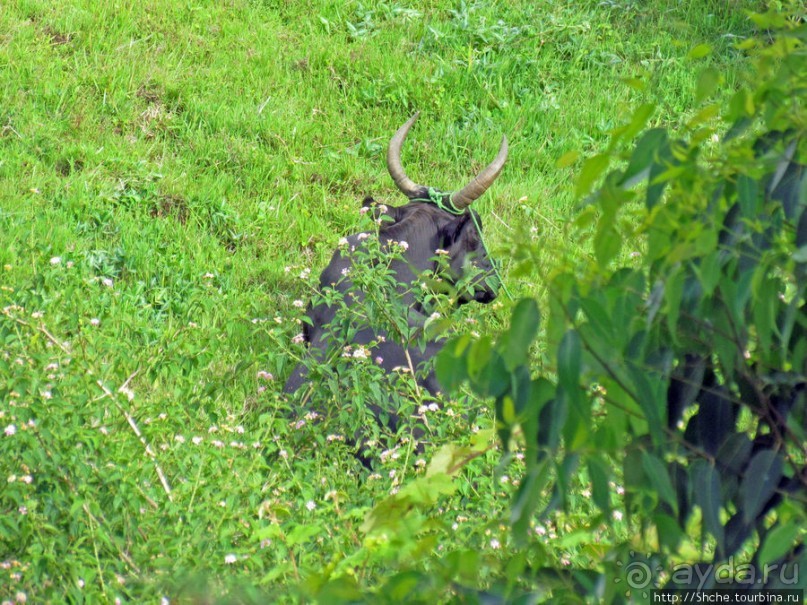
(394, 165)
(473, 190)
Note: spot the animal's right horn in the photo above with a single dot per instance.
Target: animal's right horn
(396, 171)
(465, 197)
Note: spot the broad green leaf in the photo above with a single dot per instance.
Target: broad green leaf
(708, 81)
(649, 394)
(760, 482)
(567, 159)
(643, 156)
(515, 342)
(741, 105)
(699, 52)
(402, 586)
(570, 361)
(638, 121)
(462, 564)
(669, 532)
(748, 196)
(451, 367)
(599, 472)
(342, 589)
(764, 307)
(527, 499)
(779, 541)
(593, 169)
(607, 243)
(673, 295)
(302, 533)
(656, 471)
(575, 538)
(705, 482)
(734, 452)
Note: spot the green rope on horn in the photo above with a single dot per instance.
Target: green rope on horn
(444, 202)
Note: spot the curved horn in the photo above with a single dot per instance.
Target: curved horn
(465, 196)
(396, 171)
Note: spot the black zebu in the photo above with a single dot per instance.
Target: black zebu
(431, 221)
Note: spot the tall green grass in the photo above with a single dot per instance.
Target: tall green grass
(166, 172)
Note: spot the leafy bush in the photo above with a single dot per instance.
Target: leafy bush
(680, 369)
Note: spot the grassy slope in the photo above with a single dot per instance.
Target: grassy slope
(189, 154)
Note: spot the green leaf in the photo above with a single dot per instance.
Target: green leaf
(765, 303)
(607, 243)
(705, 482)
(643, 157)
(673, 293)
(656, 471)
(451, 367)
(708, 81)
(567, 159)
(734, 452)
(669, 532)
(760, 482)
(699, 52)
(570, 361)
(342, 589)
(302, 533)
(638, 121)
(515, 343)
(779, 541)
(599, 472)
(527, 499)
(593, 168)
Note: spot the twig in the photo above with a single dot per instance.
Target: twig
(264, 104)
(137, 432)
(95, 547)
(42, 329)
(121, 552)
(412, 369)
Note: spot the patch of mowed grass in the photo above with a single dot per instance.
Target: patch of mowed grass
(163, 164)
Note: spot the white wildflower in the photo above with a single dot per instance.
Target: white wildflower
(56, 260)
(230, 559)
(10, 430)
(310, 505)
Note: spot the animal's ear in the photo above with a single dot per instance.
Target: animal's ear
(378, 210)
(454, 230)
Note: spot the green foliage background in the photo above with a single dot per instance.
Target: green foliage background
(168, 172)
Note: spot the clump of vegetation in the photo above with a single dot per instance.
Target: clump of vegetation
(171, 178)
